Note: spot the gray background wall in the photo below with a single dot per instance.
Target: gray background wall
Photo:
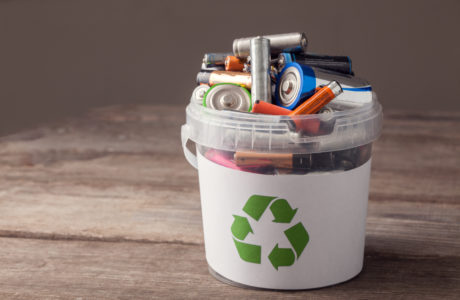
(59, 58)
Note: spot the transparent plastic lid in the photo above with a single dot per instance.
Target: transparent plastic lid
(343, 126)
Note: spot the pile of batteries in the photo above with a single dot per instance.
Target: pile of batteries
(275, 75)
(289, 163)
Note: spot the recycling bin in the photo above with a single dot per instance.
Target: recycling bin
(283, 208)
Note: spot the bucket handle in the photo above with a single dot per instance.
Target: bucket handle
(185, 136)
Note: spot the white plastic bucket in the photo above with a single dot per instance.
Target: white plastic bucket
(283, 231)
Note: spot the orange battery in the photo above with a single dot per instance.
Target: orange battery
(263, 107)
(309, 126)
(322, 97)
(233, 63)
(280, 160)
(277, 160)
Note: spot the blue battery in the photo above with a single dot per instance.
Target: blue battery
(297, 82)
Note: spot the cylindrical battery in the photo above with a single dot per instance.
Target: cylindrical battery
(228, 96)
(287, 42)
(210, 59)
(297, 82)
(260, 69)
(233, 63)
(198, 93)
(215, 77)
(341, 64)
(263, 107)
(322, 97)
(278, 160)
(210, 68)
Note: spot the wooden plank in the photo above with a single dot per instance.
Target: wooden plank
(118, 173)
(34, 268)
(417, 158)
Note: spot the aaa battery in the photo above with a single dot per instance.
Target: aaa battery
(319, 99)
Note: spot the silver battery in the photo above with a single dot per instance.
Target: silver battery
(281, 61)
(198, 94)
(212, 59)
(326, 110)
(260, 70)
(210, 68)
(228, 96)
(290, 84)
(335, 87)
(286, 42)
(326, 113)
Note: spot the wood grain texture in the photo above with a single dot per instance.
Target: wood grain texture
(96, 207)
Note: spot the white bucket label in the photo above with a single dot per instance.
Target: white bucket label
(284, 231)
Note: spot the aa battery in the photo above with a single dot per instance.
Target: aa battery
(228, 96)
(322, 161)
(212, 59)
(277, 160)
(287, 42)
(288, 163)
(215, 77)
(346, 159)
(341, 64)
(233, 63)
(322, 97)
(211, 68)
(263, 107)
(364, 154)
(198, 94)
(260, 69)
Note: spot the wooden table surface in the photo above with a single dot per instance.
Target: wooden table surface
(105, 206)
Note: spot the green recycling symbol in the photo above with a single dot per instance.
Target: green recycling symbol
(282, 213)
